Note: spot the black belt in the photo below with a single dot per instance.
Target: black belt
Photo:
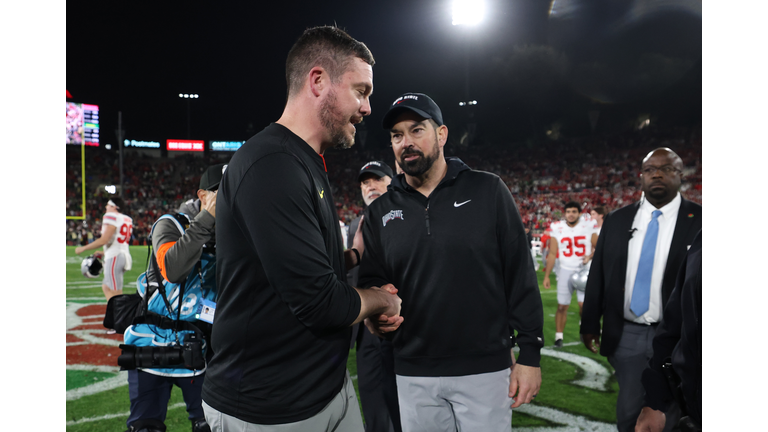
(641, 325)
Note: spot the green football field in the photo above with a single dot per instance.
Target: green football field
(578, 390)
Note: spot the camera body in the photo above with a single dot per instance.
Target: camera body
(188, 355)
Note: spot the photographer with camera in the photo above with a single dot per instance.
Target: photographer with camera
(166, 346)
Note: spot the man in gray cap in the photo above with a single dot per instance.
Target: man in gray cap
(375, 367)
(452, 241)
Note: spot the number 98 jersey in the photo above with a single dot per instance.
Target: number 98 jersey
(573, 243)
(121, 238)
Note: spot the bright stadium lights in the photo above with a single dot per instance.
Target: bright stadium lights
(462, 103)
(189, 114)
(468, 12)
(110, 189)
(472, 102)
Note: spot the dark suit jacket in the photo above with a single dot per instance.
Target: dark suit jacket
(604, 296)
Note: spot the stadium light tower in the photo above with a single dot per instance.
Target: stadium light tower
(188, 97)
(467, 14)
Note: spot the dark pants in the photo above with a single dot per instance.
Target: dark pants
(150, 394)
(376, 383)
(629, 360)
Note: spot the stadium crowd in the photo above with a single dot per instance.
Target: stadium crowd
(598, 170)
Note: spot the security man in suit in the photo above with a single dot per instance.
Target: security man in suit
(639, 252)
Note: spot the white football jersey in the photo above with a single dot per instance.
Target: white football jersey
(120, 239)
(573, 243)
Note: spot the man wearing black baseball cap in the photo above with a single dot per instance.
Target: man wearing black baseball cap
(375, 369)
(374, 178)
(452, 241)
(179, 242)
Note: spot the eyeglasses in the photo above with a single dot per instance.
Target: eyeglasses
(666, 169)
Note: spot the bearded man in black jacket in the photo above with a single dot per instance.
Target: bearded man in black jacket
(452, 241)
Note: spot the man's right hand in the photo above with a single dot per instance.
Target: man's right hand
(650, 420)
(592, 342)
(210, 202)
(546, 281)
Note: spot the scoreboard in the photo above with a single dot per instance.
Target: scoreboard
(82, 124)
(91, 125)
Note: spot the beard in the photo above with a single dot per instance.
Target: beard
(335, 122)
(417, 168)
(368, 199)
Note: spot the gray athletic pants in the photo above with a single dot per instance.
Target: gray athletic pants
(342, 414)
(462, 403)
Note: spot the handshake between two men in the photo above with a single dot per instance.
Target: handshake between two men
(381, 306)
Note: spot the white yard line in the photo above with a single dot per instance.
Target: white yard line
(595, 374)
(108, 384)
(94, 368)
(111, 416)
(573, 423)
(88, 299)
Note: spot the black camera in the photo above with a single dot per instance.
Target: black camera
(188, 355)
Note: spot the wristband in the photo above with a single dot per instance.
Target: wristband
(357, 255)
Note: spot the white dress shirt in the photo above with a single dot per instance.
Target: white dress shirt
(667, 222)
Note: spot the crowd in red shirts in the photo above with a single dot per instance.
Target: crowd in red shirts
(593, 171)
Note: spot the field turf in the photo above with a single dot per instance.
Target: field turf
(578, 389)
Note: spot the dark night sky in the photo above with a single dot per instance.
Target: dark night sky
(527, 66)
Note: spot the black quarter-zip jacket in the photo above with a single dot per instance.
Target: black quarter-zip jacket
(460, 262)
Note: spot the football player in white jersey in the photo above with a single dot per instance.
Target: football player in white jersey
(571, 243)
(116, 229)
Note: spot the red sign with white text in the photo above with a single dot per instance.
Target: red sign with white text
(185, 145)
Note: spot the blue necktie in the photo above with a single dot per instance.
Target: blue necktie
(641, 293)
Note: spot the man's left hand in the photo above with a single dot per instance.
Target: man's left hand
(524, 384)
(383, 324)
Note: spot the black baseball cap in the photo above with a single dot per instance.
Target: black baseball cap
(419, 103)
(378, 168)
(212, 177)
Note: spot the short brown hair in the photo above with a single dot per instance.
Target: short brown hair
(326, 46)
(600, 210)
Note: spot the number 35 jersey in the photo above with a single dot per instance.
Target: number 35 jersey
(120, 239)
(573, 243)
